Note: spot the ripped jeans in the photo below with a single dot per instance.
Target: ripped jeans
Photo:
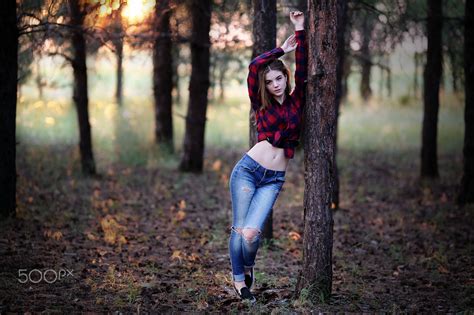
(254, 190)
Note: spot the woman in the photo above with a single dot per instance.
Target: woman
(258, 177)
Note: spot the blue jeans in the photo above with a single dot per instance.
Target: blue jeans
(254, 190)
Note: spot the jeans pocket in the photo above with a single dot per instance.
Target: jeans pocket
(248, 168)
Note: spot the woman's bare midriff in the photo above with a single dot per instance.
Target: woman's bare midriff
(268, 156)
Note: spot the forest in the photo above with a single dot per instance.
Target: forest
(123, 122)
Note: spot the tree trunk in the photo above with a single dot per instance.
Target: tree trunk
(212, 77)
(176, 60)
(193, 149)
(80, 94)
(222, 73)
(366, 62)
(264, 38)
(345, 76)
(39, 78)
(432, 75)
(341, 51)
(118, 45)
(415, 75)
(467, 183)
(454, 69)
(163, 77)
(8, 89)
(119, 87)
(320, 147)
(389, 82)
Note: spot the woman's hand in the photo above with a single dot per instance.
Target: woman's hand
(289, 44)
(297, 18)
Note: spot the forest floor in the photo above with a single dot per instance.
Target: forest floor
(151, 239)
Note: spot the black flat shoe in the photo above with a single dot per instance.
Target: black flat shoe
(245, 294)
(249, 279)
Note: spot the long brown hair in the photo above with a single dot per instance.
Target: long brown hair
(265, 96)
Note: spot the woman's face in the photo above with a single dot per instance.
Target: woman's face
(275, 82)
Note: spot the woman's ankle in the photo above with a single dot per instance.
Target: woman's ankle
(239, 284)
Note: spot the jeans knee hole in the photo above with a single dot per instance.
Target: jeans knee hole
(251, 235)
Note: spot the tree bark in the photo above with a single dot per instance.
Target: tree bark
(175, 51)
(467, 182)
(264, 39)
(163, 77)
(341, 52)
(417, 58)
(119, 87)
(193, 149)
(432, 76)
(118, 45)
(320, 147)
(8, 90)
(80, 94)
(345, 76)
(366, 63)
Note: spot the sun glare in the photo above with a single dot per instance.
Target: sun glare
(137, 10)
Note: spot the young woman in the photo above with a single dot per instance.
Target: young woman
(258, 177)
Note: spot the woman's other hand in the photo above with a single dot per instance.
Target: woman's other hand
(297, 18)
(289, 44)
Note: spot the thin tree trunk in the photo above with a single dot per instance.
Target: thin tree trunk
(212, 77)
(341, 52)
(118, 45)
(415, 75)
(8, 90)
(389, 82)
(222, 72)
(432, 76)
(320, 147)
(467, 183)
(119, 86)
(454, 69)
(193, 149)
(264, 38)
(366, 63)
(345, 76)
(80, 94)
(381, 81)
(39, 77)
(176, 60)
(163, 76)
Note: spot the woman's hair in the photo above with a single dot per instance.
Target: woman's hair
(276, 65)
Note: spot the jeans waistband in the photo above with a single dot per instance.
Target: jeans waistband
(247, 159)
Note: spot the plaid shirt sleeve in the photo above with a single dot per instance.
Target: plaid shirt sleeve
(252, 79)
(301, 59)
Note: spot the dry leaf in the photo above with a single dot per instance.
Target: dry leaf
(180, 215)
(177, 255)
(216, 166)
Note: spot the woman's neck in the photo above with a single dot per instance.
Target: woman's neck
(280, 99)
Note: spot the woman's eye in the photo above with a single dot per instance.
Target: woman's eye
(279, 78)
(268, 82)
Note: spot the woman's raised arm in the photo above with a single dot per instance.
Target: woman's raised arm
(301, 54)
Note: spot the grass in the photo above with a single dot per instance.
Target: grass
(126, 134)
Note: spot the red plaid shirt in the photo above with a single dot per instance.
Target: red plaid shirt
(280, 123)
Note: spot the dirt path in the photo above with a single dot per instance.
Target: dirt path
(141, 239)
